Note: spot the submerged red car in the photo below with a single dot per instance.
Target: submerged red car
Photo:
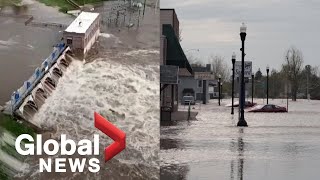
(267, 108)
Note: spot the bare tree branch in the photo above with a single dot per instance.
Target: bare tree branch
(292, 67)
(219, 67)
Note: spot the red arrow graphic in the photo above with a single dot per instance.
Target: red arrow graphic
(114, 133)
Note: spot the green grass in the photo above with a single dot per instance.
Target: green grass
(11, 150)
(64, 6)
(9, 2)
(10, 124)
(3, 172)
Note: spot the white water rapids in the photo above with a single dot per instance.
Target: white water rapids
(127, 94)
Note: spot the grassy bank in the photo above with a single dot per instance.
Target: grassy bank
(10, 128)
(9, 2)
(65, 6)
(10, 124)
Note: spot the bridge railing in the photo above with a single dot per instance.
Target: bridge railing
(19, 95)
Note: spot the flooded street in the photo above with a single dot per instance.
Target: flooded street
(274, 146)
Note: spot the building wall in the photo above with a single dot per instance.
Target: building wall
(168, 16)
(77, 40)
(166, 97)
(81, 43)
(189, 82)
(163, 50)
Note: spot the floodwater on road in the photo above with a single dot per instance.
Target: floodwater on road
(274, 146)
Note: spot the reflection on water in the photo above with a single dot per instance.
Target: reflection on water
(241, 154)
(274, 146)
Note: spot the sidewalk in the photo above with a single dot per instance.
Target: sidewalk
(183, 115)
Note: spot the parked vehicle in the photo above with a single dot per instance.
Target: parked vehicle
(188, 99)
(267, 108)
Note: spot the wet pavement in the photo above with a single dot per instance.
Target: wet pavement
(274, 146)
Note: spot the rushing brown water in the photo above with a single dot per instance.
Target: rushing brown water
(274, 146)
(23, 48)
(119, 79)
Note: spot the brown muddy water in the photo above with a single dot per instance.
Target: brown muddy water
(120, 80)
(282, 146)
(23, 48)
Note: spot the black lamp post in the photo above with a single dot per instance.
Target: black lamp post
(221, 91)
(219, 81)
(242, 121)
(267, 84)
(232, 91)
(252, 86)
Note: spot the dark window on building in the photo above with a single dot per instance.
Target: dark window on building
(69, 41)
(199, 83)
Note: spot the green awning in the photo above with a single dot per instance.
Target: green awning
(175, 54)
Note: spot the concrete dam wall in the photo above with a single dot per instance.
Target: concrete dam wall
(29, 98)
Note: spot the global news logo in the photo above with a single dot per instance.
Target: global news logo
(26, 145)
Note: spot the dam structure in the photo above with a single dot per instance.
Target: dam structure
(27, 100)
(77, 39)
(82, 33)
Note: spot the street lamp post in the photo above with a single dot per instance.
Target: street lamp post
(221, 91)
(219, 81)
(267, 84)
(252, 86)
(232, 91)
(242, 121)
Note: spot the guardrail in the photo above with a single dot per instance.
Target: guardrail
(24, 91)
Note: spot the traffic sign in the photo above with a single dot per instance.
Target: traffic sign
(247, 69)
(169, 74)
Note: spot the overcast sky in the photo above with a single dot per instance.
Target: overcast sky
(213, 26)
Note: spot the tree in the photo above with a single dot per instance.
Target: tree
(276, 82)
(219, 67)
(194, 60)
(310, 82)
(258, 75)
(292, 68)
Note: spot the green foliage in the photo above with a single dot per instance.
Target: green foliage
(65, 6)
(9, 2)
(62, 4)
(10, 150)
(3, 174)
(9, 123)
(258, 75)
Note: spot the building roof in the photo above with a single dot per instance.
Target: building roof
(184, 72)
(82, 22)
(197, 68)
